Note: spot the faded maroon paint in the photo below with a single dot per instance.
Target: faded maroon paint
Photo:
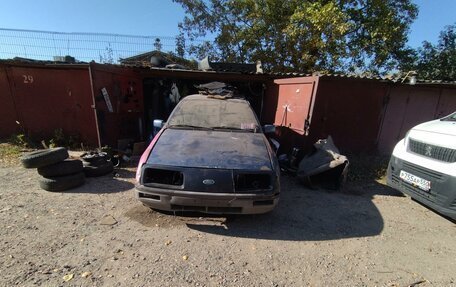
(270, 99)
(350, 110)
(125, 90)
(295, 103)
(412, 105)
(8, 115)
(288, 103)
(47, 98)
(447, 103)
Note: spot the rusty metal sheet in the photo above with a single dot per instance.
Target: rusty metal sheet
(295, 103)
(47, 99)
(125, 91)
(407, 106)
(8, 115)
(447, 103)
(350, 110)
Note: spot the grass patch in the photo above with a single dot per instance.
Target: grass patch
(11, 148)
(9, 153)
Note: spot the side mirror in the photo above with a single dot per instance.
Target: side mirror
(269, 129)
(158, 124)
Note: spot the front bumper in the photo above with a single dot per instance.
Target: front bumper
(216, 203)
(441, 197)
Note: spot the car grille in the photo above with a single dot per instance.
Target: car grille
(429, 175)
(432, 151)
(417, 170)
(413, 189)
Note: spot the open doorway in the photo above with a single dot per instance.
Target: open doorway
(161, 95)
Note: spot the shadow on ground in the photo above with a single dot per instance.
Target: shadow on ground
(305, 214)
(302, 214)
(117, 181)
(434, 211)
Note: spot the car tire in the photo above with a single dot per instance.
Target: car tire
(61, 183)
(99, 169)
(42, 158)
(66, 167)
(94, 158)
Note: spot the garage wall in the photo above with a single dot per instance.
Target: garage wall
(125, 93)
(8, 114)
(408, 106)
(350, 110)
(46, 98)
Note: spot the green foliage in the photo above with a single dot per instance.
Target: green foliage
(20, 140)
(108, 55)
(304, 35)
(9, 153)
(435, 62)
(180, 44)
(60, 139)
(10, 148)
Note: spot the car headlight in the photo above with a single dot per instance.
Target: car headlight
(406, 138)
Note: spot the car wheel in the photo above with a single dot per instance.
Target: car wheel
(61, 183)
(42, 158)
(66, 167)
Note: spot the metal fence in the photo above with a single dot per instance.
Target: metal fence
(85, 47)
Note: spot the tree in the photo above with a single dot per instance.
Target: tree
(436, 62)
(304, 35)
(180, 43)
(108, 55)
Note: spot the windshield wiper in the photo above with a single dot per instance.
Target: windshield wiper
(189, 126)
(231, 128)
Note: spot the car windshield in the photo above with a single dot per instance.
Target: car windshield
(231, 114)
(451, 117)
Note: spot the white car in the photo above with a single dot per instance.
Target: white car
(423, 165)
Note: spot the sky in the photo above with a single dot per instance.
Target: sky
(160, 17)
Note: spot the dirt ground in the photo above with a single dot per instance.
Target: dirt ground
(99, 235)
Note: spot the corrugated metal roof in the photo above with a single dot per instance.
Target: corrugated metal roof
(272, 74)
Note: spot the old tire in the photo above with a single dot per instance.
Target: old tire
(94, 163)
(66, 167)
(61, 183)
(95, 157)
(45, 157)
(99, 169)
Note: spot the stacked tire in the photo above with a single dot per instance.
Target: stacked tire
(96, 164)
(58, 173)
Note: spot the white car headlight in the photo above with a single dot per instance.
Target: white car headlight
(406, 138)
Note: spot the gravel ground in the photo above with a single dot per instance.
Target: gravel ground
(99, 235)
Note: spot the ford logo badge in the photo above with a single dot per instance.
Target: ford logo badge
(208, 181)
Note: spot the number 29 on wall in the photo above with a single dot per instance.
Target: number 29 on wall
(28, 79)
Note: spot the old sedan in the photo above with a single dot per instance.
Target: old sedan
(211, 156)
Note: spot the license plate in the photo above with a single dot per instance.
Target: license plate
(415, 180)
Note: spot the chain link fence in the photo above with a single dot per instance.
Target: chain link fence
(84, 47)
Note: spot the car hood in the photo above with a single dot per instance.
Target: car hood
(438, 126)
(211, 149)
(439, 133)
